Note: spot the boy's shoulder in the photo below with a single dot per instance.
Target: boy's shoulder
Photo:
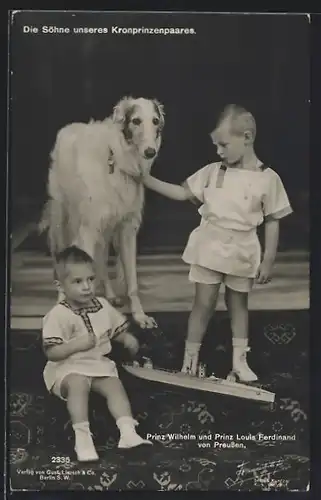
(266, 168)
(105, 303)
(109, 308)
(209, 168)
(270, 173)
(58, 311)
(213, 165)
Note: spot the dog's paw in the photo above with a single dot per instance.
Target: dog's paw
(145, 321)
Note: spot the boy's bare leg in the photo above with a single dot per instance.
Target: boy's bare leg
(76, 389)
(205, 300)
(237, 304)
(112, 389)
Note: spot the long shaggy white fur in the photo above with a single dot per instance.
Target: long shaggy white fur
(95, 195)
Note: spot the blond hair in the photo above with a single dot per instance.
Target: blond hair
(240, 120)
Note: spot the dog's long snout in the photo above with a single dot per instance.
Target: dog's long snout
(149, 153)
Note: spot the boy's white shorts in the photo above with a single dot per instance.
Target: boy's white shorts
(199, 274)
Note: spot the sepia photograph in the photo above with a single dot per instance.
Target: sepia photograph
(158, 167)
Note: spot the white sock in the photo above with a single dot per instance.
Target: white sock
(128, 435)
(126, 425)
(192, 347)
(191, 357)
(240, 342)
(240, 366)
(84, 445)
(240, 348)
(81, 426)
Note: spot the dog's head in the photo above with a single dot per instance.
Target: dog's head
(141, 121)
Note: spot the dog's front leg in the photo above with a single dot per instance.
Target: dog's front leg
(86, 240)
(102, 258)
(128, 253)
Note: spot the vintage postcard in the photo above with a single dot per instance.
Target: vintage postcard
(159, 274)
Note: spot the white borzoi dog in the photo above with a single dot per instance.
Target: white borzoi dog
(95, 192)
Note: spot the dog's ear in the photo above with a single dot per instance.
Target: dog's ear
(160, 110)
(121, 108)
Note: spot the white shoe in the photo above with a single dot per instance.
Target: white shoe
(187, 370)
(84, 447)
(240, 366)
(190, 363)
(128, 435)
(131, 440)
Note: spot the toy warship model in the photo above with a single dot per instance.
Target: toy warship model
(200, 382)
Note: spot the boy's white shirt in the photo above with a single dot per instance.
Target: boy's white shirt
(61, 325)
(245, 199)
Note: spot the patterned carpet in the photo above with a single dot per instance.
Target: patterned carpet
(41, 438)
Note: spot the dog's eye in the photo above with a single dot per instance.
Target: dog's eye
(156, 121)
(136, 121)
